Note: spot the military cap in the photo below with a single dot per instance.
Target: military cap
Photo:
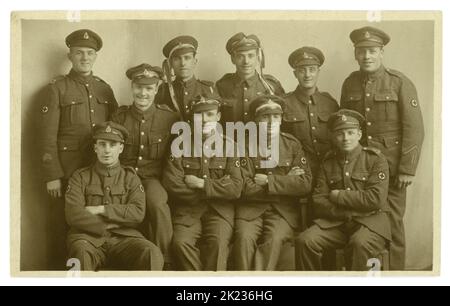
(306, 56)
(145, 74)
(110, 130)
(202, 103)
(369, 37)
(345, 119)
(267, 104)
(84, 38)
(180, 45)
(242, 42)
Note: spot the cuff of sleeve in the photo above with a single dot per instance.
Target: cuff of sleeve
(208, 188)
(340, 198)
(270, 184)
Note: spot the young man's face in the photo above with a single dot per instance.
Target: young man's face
(184, 65)
(307, 76)
(270, 119)
(108, 151)
(210, 118)
(144, 95)
(369, 58)
(346, 140)
(246, 62)
(82, 59)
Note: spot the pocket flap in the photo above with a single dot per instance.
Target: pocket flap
(191, 163)
(353, 96)
(117, 190)
(218, 163)
(324, 117)
(360, 176)
(334, 178)
(72, 100)
(294, 117)
(386, 96)
(68, 145)
(160, 138)
(391, 141)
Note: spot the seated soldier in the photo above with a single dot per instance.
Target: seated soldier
(350, 200)
(202, 190)
(147, 148)
(105, 203)
(269, 210)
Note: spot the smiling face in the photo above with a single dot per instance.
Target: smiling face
(246, 62)
(82, 59)
(307, 76)
(369, 58)
(144, 95)
(108, 151)
(346, 140)
(184, 65)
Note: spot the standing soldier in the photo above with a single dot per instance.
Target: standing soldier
(269, 211)
(181, 61)
(105, 203)
(307, 110)
(388, 100)
(147, 147)
(74, 104)
(203, 190)
(350, 200)
(240, 88)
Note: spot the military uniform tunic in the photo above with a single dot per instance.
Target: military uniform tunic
(394, 125)
(267, 216)
(207, 215)
(119, 190)
(358, 220)
(238, 94)
(146, 150)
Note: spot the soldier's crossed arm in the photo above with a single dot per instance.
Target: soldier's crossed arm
(374, 194)
(228, 187)
(173, 181)
(76, 214)
(293, 185)
(250, 188)
(132, 213)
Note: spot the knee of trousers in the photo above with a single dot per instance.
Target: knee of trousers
(308, 241)
(157, 258)
(156, 200)
(181, 244)
(359, 243)
(79, 249)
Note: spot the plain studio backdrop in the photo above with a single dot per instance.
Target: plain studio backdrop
(129, 43)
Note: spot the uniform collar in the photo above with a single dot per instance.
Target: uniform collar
(342, 157)
(80, 78)
(139, 115)
(374, 76)
(102, 170)
(302, 97)
(188, 83)
(248, 83)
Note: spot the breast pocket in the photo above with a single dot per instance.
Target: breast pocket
(102, 112)
(386, 106)
(217, 166)
(73, 110)
(297, 124)
(191, 166)
(323, 127)
(94, 195)
(351, 99)
(158, 145)
(118, 195)
(360, 178)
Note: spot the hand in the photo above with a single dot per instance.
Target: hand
(296, 171)
(261, 179)
(334, 195)
(194, 182)
(95, 210)
(54, 188)
(404, 180)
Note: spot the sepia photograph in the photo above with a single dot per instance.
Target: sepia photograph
(208, 143)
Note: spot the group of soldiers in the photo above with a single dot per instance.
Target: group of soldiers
(131, 204)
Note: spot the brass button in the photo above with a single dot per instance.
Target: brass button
(93, 124)
(369, 123)
(142, 146)
(367, 94)
(186, 93)
(92, 110)
(143, 121)
(368, 109)
(140, 157)
(205, 176)
(136, 169)
(347, 174)
(142, 133)
(369, 137)
(65, 148)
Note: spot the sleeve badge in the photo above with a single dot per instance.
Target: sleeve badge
(414, 103)
(303, 160)
(237, 164)
(382, 176)
(141, 188)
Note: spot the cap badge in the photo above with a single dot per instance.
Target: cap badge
(306, 55)
(367, 35)
(108, 129)
(344, 118)
(86, 35)
(147, 73)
